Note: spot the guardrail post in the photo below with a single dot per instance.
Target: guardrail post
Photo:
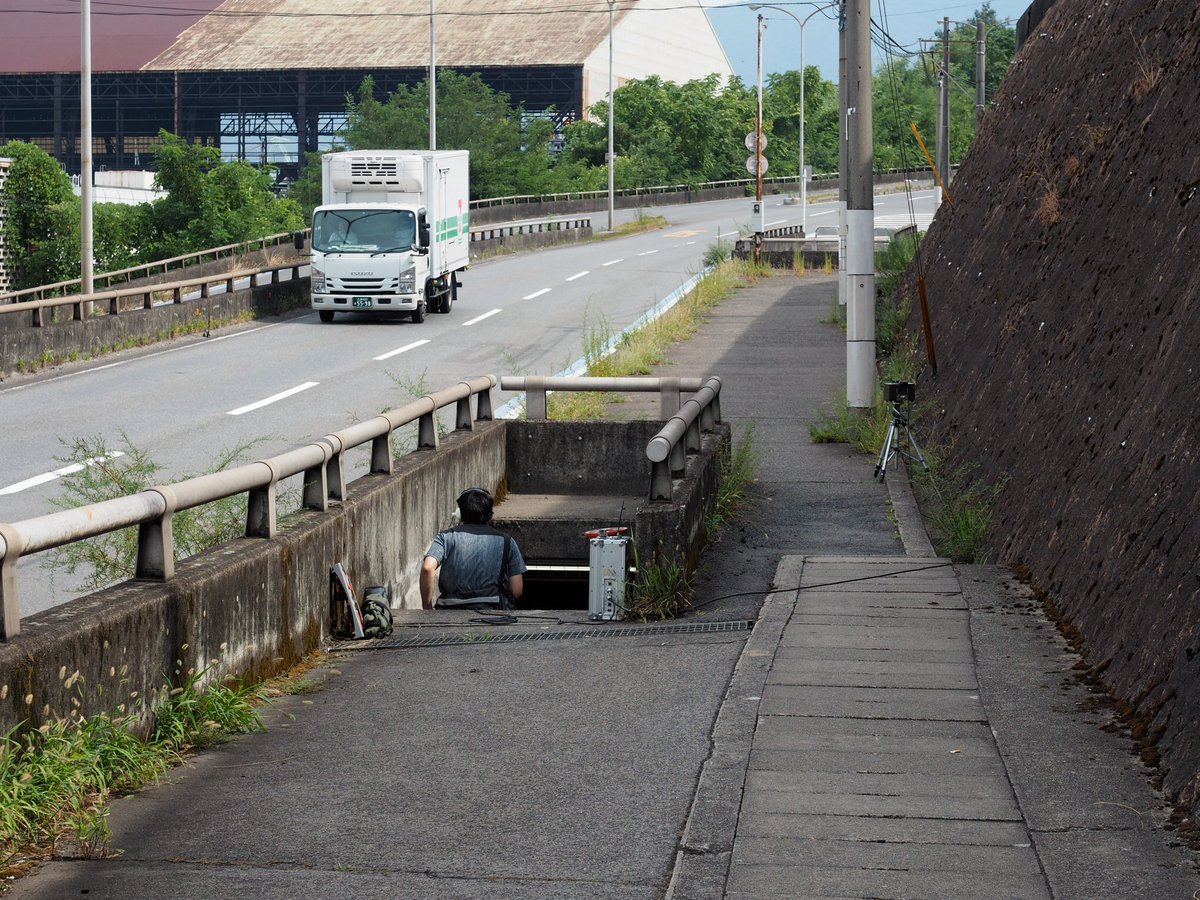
(77, 311)
(661, 486)
(381, 454)
(11, 626)
(462, 415)
(316, 482)
(427, 436)
(148, 300)
(335, 474)
(678, 459)
(483, 406)
(693, 436)
(274, 276)
(156, 543)
(177, 295)
(261, 507)
(535, 398)
(37, 318)
(668, 397)
(114, 306)
(229, 285)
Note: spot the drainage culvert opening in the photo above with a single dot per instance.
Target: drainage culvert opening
(555, 587)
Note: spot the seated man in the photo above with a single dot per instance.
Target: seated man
(474, 565)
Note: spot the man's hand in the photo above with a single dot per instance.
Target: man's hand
(429, 567)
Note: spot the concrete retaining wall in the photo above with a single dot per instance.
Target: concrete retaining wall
(101, 333)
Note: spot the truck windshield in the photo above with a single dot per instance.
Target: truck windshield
(363, 230)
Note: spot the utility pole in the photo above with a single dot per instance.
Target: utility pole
(759, 217)
(843, 180)
(980, 72)
(943, 135)
(611, 157)
(860, 210)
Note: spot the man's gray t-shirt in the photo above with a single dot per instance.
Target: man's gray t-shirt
(470, 558)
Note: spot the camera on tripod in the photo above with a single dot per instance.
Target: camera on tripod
(899, 391)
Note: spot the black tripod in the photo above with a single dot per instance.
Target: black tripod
(891, 444)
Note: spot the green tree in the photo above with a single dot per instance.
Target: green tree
(35, 188)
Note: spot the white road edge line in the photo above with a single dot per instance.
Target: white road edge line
(414, 345)
(537, 294)
(57, 473)
(647, 253)
(480, 318)
(273, 398)
(578, 275)
(613, 262)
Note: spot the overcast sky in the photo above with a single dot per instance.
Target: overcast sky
(906, 20)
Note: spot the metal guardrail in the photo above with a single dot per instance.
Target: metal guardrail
(147, 292)
(667, 450)
(321, 463)
(145, 270)
(508, 229)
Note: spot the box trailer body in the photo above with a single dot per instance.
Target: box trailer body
(391, 233)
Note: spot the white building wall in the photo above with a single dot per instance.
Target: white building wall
(6, 280)
(657, 37)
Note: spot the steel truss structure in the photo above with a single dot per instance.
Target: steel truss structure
(302, 109)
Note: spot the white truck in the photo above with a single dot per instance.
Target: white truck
(391, 234)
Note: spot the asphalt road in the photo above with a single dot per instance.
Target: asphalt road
(284, 382)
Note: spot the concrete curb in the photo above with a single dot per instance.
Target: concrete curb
(706, 849)
(908, 515)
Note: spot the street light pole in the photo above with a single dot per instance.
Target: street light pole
(611, 158)
(802, 182)
(432, 80)
(85, 153)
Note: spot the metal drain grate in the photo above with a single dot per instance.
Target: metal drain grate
(399, 641)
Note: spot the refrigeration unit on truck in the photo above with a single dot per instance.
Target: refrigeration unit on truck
(391, 233)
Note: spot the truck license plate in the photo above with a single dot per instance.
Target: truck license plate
(361, 302)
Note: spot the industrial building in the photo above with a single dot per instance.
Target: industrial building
(267, 80)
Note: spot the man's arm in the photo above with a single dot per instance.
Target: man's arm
(516, 586)
(429, 567)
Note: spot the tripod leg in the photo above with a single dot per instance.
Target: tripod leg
(916, 448)
(886, 454)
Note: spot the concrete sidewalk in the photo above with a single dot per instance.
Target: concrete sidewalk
(891, 726)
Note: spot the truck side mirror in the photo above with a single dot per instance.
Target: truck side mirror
(298, 240)
(423, 232)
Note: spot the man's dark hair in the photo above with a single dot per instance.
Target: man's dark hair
(475, 506)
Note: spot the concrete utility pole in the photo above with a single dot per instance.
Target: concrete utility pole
(432, 79)
(943, 135)
(980, 72)
(85, 153)
(860, 210)
(843, 179)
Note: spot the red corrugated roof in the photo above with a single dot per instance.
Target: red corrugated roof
(44, 35)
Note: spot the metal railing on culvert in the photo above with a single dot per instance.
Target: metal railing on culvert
(667, 450)
(145, 270)
(533, 226)
(175, 290)
(322, 463)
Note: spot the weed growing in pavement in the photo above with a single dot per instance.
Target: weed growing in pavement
(738, 472)
(404, 440)
(661, 590)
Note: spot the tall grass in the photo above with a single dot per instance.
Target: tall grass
(56, 781)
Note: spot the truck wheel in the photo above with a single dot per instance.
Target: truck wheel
(325, 314)
(450, 296)
(418, 314)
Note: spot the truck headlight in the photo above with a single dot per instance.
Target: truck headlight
(408, 281)
(318, 281)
